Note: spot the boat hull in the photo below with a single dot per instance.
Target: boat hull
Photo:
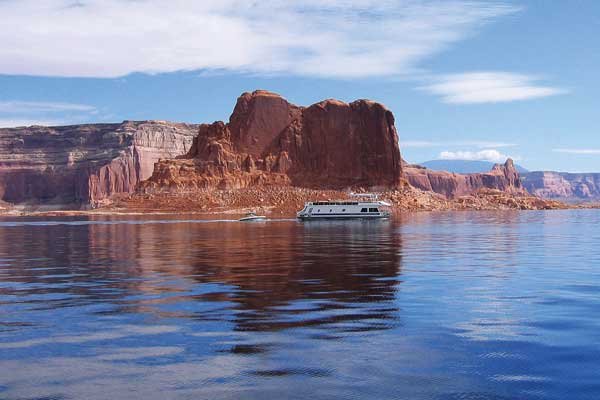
(249, 219)
(340, 216)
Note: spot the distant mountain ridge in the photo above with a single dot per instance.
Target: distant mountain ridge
(465, 166)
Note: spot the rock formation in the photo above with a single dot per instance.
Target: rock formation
(269, 141)
(562, 185)
(84, 163)
(503, 177)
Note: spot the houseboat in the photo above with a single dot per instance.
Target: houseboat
(365, 206)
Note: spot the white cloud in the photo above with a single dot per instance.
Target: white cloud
(488, 87)
(483, 155)
(578, 151)
(42, 107)
(12, 123)
(475, 143)
(332, 38)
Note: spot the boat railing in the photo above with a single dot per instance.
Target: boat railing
(371, 196)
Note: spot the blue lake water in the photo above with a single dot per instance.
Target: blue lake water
(427, 306)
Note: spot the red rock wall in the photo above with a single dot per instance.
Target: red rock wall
(330, 144)
(346, 145)
(84, 163)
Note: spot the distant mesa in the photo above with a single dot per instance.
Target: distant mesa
(503, 177)
(545, 184)
(563, 185)
(465, 166)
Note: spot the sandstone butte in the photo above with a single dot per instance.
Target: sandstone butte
(271, 154)
(268, 141)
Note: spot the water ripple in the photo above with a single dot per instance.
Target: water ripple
(429, 306)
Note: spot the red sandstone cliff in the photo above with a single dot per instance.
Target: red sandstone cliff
(504, 177)
(267, 141)
(84, 163)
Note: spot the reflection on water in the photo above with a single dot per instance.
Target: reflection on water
(433, 306)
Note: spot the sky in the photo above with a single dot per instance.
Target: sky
(465, 79)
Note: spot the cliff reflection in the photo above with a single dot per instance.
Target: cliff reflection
(261, 276)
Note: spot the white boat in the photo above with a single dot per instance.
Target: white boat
(251, 216)
(369, 208)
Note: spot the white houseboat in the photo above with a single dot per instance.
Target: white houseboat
(369, 207)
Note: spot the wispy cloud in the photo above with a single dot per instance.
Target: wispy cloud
(578, 151)
(15, 113)
(332, 38)
(12, 123)
(483, 155)
(25, 107)
(488, 87)
(481, 144)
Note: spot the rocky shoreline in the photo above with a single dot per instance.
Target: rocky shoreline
(285, 201)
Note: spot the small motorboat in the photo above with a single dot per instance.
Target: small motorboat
(251, 216)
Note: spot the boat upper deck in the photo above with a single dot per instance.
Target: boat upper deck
(346, 203)
(334, 203)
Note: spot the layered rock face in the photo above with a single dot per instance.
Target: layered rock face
(562, 185)
(504, 177)
(84, 163)
(269, 141)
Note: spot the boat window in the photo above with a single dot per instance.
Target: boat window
(363, 210)
(310, 210)
(373, 210)
(343, 210)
